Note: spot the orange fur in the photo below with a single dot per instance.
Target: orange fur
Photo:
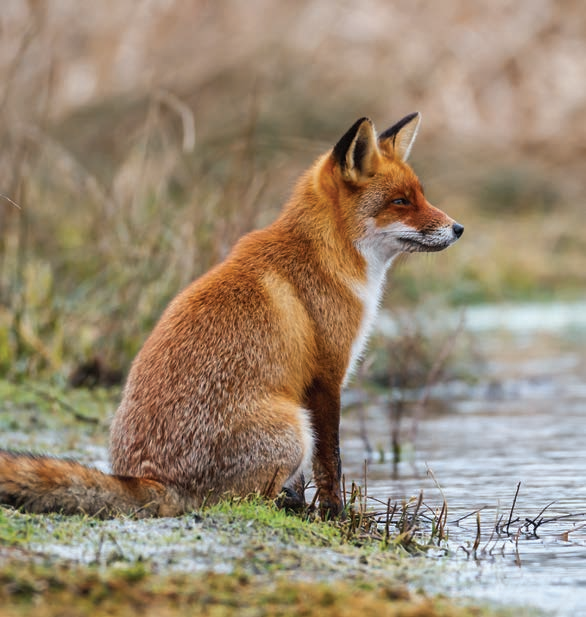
(237, 389)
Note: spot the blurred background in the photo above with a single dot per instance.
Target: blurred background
(141, 139)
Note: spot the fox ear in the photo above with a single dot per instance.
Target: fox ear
(400, 137)
(357, 151)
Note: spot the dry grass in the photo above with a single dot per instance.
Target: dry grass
(131, 591)
(141, 140)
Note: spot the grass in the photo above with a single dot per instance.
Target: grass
(61, 591)
(282, 524)
(267, 562)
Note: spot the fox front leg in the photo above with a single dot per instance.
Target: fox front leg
(327, 469)
(324, 403)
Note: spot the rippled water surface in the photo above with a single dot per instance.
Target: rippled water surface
(523, 421)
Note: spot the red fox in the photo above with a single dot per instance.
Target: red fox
(237, 389)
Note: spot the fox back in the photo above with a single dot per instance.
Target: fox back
(237, 389)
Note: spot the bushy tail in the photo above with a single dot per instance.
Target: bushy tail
(41, 484)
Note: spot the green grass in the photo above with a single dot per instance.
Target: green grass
(285, 566)
(282, 525)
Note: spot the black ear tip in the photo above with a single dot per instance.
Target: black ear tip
(342, 146)
(409, 118)
(390, 132)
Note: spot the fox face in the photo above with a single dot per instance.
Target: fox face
(382, 198)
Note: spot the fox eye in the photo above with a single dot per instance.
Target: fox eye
(401, 201)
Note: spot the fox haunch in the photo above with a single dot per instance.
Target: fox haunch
(237, 389)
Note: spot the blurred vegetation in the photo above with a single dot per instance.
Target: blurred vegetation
(131, 589)
(140, 140)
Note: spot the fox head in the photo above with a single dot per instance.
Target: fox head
(380, 199)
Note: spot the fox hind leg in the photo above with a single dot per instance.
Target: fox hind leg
(279, 449)
(292, 495)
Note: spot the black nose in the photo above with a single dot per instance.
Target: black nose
(458, 229)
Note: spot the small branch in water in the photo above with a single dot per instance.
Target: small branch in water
(494, 530)
(538, 520)
(511, 521)
(553, 519)
(442, 519)
(478, 533)
(457, 521)
(517, 555)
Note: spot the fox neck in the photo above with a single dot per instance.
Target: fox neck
(360, 265)
(312, 215)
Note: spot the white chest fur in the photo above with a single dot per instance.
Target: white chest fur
(370, 294)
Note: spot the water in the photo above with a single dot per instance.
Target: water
(523, 422)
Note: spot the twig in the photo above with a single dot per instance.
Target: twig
(535, 522)
(443, 517)
(512, 508)
(10, 200)
(478, 533)
(185, 114)
(434, 374)
(561, 517)
(389, 518)
(494, 529)
(457, 521)
(311, 506)
(51, 398)
(517, 555)
(437, 484)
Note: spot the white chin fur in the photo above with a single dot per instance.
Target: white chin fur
(388, 242)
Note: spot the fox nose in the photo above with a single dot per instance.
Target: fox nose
(458, 229)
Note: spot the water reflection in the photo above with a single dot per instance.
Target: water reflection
(523, 421)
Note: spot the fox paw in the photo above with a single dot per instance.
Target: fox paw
(331, 508)
(291, 500)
